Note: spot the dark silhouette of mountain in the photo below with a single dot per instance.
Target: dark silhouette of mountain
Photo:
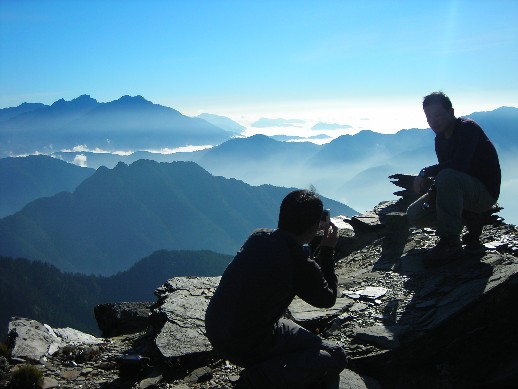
(117, 216)
(43, 292)
(151, 272)
(26, 179)
(8, 113)
(127, 123)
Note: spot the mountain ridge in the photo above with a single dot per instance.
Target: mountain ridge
(126, 123)
(116, 216)
(24, 179)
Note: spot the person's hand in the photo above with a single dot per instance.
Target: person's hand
(330, 238)
(419, 184)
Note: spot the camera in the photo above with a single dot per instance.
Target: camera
(325, 219)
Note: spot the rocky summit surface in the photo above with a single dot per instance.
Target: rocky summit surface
(404, 321)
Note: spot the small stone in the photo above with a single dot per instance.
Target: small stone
(70, 374)
(49, 383)
(201, 374)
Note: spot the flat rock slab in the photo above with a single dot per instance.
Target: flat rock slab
(372, 292)
(307, 315)
(180, 315)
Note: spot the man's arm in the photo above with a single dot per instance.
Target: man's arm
(421, 182)
(467, 138)
(316, 281)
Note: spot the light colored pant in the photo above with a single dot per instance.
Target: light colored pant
(455, 192)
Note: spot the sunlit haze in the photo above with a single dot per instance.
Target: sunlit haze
(356, 65)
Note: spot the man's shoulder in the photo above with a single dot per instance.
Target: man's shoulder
(467, 127)
(261, 237)
(468, 123)
(274, 242)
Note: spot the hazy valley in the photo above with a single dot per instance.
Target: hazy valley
(351, 169)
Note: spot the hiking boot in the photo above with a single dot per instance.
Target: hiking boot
(474, 222)
(472, 244)
(447, 249)
(253, 378)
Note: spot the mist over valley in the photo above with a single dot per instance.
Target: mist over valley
(352, 169)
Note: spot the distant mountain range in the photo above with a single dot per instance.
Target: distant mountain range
(351, 169)
(117, 216)
(129, 123)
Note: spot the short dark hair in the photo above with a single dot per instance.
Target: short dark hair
(300, 210)
(437, 98)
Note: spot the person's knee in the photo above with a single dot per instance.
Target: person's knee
(417, 214)
(446, 178)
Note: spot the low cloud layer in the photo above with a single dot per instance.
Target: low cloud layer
(330, 126)
(266, 122)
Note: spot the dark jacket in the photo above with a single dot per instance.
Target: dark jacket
(470, 151)
(258, 286)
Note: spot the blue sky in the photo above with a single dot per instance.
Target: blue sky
(356, 64)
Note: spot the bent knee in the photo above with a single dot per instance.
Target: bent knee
(447, 176)
(417, 213)
(412, 213)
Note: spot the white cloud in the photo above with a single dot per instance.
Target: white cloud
(266, 122)
(97, 150)
(330, 126)
(80, 160)
(183, 149)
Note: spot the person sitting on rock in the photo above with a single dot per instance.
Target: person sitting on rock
(466, 180)
(245, 320)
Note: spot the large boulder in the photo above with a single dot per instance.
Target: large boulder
(122, 318)
(30, 340)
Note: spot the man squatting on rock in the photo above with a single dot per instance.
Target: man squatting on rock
(467, 180)
(244, 320)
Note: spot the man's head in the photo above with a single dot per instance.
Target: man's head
(300, 211)
(439, 113)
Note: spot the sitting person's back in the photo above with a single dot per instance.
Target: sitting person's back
(244, 318)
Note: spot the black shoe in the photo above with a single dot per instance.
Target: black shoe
(472, 244)
(446, 250)
(253, 378)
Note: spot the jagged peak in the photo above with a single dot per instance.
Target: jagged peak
(83, 100)
(138, 99)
